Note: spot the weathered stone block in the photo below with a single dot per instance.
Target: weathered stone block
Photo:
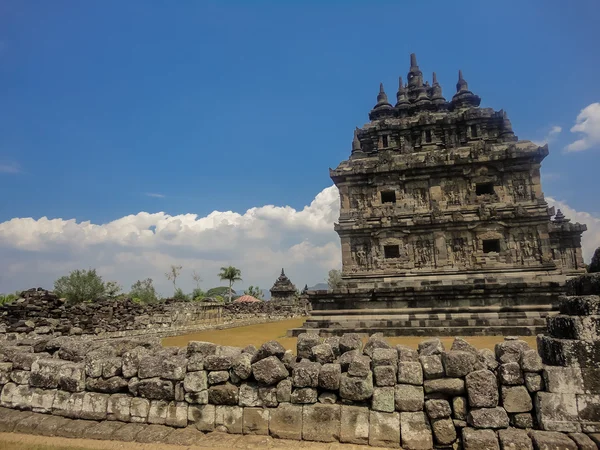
(373, 343)
(568, 352)
(216, 362)
(355, 388)
(231, 418)
(548, 440)
(268, 396)
(443, 431)
(591, 380)
(177, 414)
(459, 363)
(156, 389)
(510, 351)
(583, 441)
(446, 386)
(438, 408)
(479, 439)
(158, 412)
(415, 431)
(511, 439)
(321, 423)
(516, 399)
(269, 371)
(510, 374)
(563, 380)
(557, 412)
(242, 366)
(329, 376)
(256, 421)
(71, 377)
(323, 353)
(195, 381)
(488, 418)
(203, 348)
(349, 342)
(360, 366)
(410, 372)
(248, 395)
(328, 398)
(139, 408)
(203, 417)
(94, 406)
(385, 375)
(284, 391)
(110, 386)
(581, 305)
(588, 409)
(223, 394)
(271, 348)
(306, 374)
(385, 357)
(431, 347)
(406, 354)
(304, 395)
(305, 343)
(459, 408)
(218, 376)
(531, 361)
(409, 397)
(42, 400)
(521, 420)
(534, 382)
(112, 367)
(432, 366)
(196, 398)
(131, 361)
(45, 373)
(354, 427)
(5, 371)
(286, 421)
(119, 408)
(384, 429)
(347, 358)
(383, 399)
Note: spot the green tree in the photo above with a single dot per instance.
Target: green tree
(172, 275)
(8, 298)
(80, 286)
(180, 295)
(255, 292)
(113, 289)
(219, 290)
(334, 279)
(143, 291)
(231, 274)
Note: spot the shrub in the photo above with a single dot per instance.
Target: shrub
(142, 291)
(179, 295)
(8, 298)
(80, 286)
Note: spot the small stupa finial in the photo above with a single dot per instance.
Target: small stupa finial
(462, 83)
(413, 60)
(434, 81)
(282, 272)
(382, 99)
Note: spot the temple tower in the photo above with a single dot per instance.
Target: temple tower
(283, 291)
(443, 222)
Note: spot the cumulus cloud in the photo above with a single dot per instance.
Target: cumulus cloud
(550, 136)
(591, 238)
(11, 167)
(259, 242)
(587, 123)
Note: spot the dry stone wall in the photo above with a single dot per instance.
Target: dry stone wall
(41, 312)
(333, 389)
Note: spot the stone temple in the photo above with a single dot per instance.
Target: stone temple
(443, 224)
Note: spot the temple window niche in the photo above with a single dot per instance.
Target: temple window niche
(388, 197)
(391, 251)
(491, 246)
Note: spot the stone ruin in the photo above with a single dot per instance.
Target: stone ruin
(333, 389)
(443, 224)
(284, 291)
(41, 312)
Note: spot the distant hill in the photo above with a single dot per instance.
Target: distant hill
(319, 287)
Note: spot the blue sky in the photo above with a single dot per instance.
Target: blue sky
(228, 106)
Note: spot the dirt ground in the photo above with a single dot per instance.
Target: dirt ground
(259, 334)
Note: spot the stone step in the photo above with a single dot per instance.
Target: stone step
(355, 322)
(505, 330)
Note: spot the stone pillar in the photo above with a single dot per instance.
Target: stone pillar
(571, 352)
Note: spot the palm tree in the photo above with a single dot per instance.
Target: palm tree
(232, 274)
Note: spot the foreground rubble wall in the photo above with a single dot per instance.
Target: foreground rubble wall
(332, 389)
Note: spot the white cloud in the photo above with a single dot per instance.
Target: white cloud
(259, 242)
(155, 195)
(591, 238)
(588, 123)
(550, 136)
(10, 168)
